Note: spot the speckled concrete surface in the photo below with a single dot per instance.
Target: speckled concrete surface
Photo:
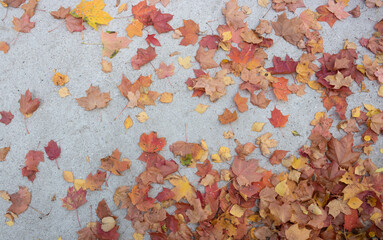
(29, 65)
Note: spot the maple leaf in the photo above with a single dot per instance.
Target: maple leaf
(198, 214)
(23, 24)
(227, 116)
(143, 57)
(280, 89)
(289, 29)
(151, 143)
(209, 41)
(4, 47)
(113, 164)
(265, 143)
(337, 9)
(205, 58)
(30, 7)
(182, 188)
(33, 158)
(53, 150)
(94, 182)
(241, 102)
(260, 100)
(12, 3)
(74, 24)
(376, 124)
(326, 15)
(234, 17)
(92, 13)
(28, 105)
(89, 232)
(139, 197)
(20, 201)
(142, 12)
(277, 118)
(3, 153)
(160, 21)
(339, 80)
(134, 29)
(310, 20)
(112, 44)
(190, 32)
(245, 171)
(283, 67)
(6, 117)
(164, 71)
(94, 99)
(277, 156)
(296, 233)
(74, 199)
(150, 39)
(61, 13)
(340, 151)
(164, 2)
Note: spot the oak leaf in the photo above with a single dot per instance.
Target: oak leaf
(112, 44)
(150, 143)
(94, 99)
(6, 117)
(20, 201)
(241, 102)
(277, 118)
(92, 13)
(74, 199)
(190, 32)
(113, 164)
(142, 57)
(227, 116)
(23, 24)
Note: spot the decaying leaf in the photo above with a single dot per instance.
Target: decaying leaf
(265, 143)
(94, 99)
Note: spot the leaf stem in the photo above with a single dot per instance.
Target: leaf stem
(78, 219)
(25, 123)
(121, 112)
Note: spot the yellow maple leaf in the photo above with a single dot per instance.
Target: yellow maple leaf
(92, 13)
(182, 188)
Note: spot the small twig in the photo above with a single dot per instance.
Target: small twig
(121, 112)
(101, 116)
(41, 10)
(106, 181)
(37, 211)
(14, 41)
(123, 17)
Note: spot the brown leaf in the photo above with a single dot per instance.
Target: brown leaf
(246, 171)
(94, 99)
(241, 102)
(20, 201)
(340, 151)
(234, 16)
(61, 13)
(23, 24)
(205, 58)
(74, 24)
(114, 165)
(289, 29)
(260, 100)
(30, 7)
(190, 32)
(94, 182)
(277, 156)
(3, 153)
(142, 57)
(265, 143)
(28, 105)
(227, 116)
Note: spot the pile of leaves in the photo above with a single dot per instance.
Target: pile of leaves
(330, 189)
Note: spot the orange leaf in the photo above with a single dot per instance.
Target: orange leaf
(113, 164)
(280, 89)
(228, 117)
(277, 119)
(241, 103)
(150, 143)
(134, 29)
(190, 32)
(27, 104)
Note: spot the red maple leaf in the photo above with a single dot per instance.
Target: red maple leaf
(74, 199)
(352, 221)
(210, 41)
(283, 67)
(160, 21)
(53, 151)
(280, 89)
(150, 143)
(6, 117)
(150, 39)
(326, 15)
(189, 32)
(142, 12)
(277, 119)
(33, 158)
(143, 57)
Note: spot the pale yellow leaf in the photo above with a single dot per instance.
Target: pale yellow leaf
(142, 117)
(237, 210)
(356, 112)
(257, 126)
(108, 224)
(185, 62)
(79, 183)
(107, 67)
(201, 108)
(64, 92)
(263, 3)
(224, 153)
(166, 97)
(122, 8)
(354, 203)
(380, 91)
(138, 236)
(226, 36)
(68, 176)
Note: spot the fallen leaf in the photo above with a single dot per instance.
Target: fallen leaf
(12, 3)
(150, 39)
(33, 158)
(280, 89)
(60, 79)
(6, 117)
(94, 182)
(94, 99)
(234, 16)
(241, 102)
(74, 24)
(61, 13)
(337, 206)
(112, 44)
(134, 29)
(165, 71)
(201, 108)
(92, 13)
(205, 58)
(122, 8)
(20, 201)
(166, 97)
(354, 202)
(28, 105)
(260, 100)
(52, 150)
(227, 116)
(182, 188)
(289, 29)
(185, 62)
(64, 92)
(114, 165)
(263, 3)
(296, 233)
(128, 123)
(150, 143)
(257, 126)
(341, 151)
(265, 143)
(339, 80)
(277, 156)
(143, 57)
(74, 199)
(337, 9)
(68, 176)
(3, 153)
(237, 211)
(277, 118)
(142, 117)
(189, 32)
(106, 66)
(23, 24)
(4, 47)
(30, 7)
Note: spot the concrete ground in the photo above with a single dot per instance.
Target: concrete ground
(30, 63)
